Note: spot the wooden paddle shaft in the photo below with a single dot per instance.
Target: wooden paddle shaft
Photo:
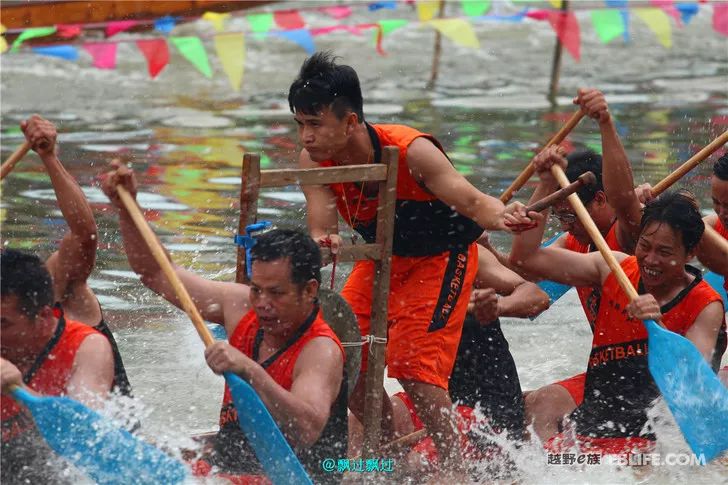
(595, 235)
(528, 172)
(693, 162)
(161, 257)
(586, 178)
(17, 155)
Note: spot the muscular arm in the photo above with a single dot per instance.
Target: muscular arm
(704, 332)
(93, 372)
(711, 252)
(321, 215)
(432, 168)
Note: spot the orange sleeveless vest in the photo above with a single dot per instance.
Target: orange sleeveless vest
(590, 295)
(424, 225)
(619, 387)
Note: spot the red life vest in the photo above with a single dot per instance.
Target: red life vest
(48, 376)
(619, 387)
(590, 296)
(424, 225)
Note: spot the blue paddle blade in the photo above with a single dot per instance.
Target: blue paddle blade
(553, 290)
(693, 392)
(279, 462)
(717, 281)
(105, 453)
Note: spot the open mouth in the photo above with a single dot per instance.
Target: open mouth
(651, 272)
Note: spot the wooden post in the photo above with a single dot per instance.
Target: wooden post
(380, 296)
(249, 189)
(437, 51)
(556, 63)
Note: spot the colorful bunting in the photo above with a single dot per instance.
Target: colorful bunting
(658, 21)
(459, 31)
(373, 7)
(427, 9)
(668, 6)
(260, 22)
(67, 52)
(193, 50)
(32, 33)
(3, 42)
(68, 31)
(567, 30)
(218, 20)
(230, 50)
(687, 11)
(555, 3)
(337, 12)
(288, 19)
(622, 5)
(608, 24)
(390, 25)
(720, 18)
(156, 52)
(301, 37)
(117, 26)
(165, 24)
(475, 8)
(103, 53)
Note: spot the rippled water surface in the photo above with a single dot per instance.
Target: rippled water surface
(185, 136)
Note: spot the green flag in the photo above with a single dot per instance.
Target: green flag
(31, 34)
(608, 24)
(475, 8)
(260, 23)
(193, 50)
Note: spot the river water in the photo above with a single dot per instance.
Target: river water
(185, 136)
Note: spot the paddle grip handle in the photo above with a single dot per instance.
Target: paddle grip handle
(693, 162)
(13, 159)
(528, 172)
(163, 260)
(586, 178)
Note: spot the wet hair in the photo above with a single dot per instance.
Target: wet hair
(25, 276)
(680, 211)
(720, 168)
(321, 83)
(303, 252)
(581, 162)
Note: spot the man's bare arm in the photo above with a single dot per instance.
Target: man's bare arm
(93, 372)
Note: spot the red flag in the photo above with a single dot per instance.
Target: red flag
(68, 31)
(157, 53)
(567, 29)
(720, 18)
(288, 19)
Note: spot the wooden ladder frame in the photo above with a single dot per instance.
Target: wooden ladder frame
(253, 179)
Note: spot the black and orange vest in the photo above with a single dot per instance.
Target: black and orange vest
(424, 225)
(590, 296)
(619, 388)
(231, 447)
(723, 231)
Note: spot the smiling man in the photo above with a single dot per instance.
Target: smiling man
(278, 341)
(439, 215)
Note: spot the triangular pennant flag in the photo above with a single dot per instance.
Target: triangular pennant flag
(555, 3)
(103, 53)
(193, 50)
(668, 6)
(475, 8)
(217, 19)
(687, 11)
(157, 53)
(260, 23)
(373, 7)
(459, 31)
(32, 33)
(117, 26)
(427, 9)
(622, 5)
(3, 42)
(567, 30)
(720, 18)
(230, 50)
(301, 37)
(63, 51)
(288, 19)
(68, 31)
(337, 11)
(658, 21)
(608, 24)
(165, 24)
(390, 25)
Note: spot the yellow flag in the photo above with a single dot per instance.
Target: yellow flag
(458, 30)
(555, 3)
(426, 9)
(3, 42)
(218, 20)
(658, 21)
(230, 50)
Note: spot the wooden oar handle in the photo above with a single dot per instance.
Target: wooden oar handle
(161, 257)
(693, 162)
(17, 155)
(528, 172)
(586, 178)
(595, 235)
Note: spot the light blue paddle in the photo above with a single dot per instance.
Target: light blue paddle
(104, 452)
(692, 391)
(275, 455)
(553, 290)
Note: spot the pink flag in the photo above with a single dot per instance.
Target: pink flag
(157, 53)
(104, 54)
(720, 18)
(567, 29)
(338, 11)
(119, 26)
(669, 8)
(68, 31)
(288, 19)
